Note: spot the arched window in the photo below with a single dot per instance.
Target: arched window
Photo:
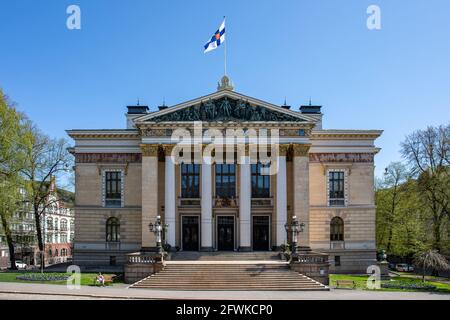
(50, 224)
(63, 225)
(112, 230)
(337, 229)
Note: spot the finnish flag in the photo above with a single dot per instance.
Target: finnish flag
(217, 39)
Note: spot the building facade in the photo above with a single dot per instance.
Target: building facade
(220, 193)
(58, 228)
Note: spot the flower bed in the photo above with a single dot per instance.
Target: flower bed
(42, 277)
(409, 286)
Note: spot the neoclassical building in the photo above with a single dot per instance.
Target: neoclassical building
(237, 202)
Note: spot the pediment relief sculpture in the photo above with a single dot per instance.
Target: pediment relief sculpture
(225, 109)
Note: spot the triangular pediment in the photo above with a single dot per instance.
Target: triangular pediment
(225, 106)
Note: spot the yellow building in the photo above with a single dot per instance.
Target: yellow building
(225, 172)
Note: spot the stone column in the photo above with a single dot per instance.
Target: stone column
(301, 190)
(206, 203)
(245, 204)
(149, 194)
(281, 197)
(169, 195)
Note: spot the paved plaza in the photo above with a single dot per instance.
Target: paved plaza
(48, 292)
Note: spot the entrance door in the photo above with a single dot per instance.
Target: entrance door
(190, 233)
(261, 233)
(225, 233)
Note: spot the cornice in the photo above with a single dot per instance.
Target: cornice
(103, 134)
(345, 134)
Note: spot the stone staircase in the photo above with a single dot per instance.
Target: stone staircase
(229, 275)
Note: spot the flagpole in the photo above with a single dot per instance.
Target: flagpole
(225, 48)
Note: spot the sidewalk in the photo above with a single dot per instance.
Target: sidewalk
(122, 292)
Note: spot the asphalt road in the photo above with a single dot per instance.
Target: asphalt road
(14, 290)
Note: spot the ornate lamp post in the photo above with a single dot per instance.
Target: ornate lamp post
(158, 228)
(294, 228)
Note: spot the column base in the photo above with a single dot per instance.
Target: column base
(245, 249)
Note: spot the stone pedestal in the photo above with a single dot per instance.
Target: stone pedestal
(384, 270)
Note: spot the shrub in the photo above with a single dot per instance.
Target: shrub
(42, 277)
(414, 286)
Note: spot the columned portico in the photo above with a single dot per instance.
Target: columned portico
(206, 206)
(245, 205)
(169, 195)
(126, 178)
(149, 194)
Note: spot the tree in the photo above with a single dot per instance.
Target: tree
(45, 158)
(430, 259)
(428, 155)
(11, 162)
(389, 195)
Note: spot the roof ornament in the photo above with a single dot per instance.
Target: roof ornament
(225, 84)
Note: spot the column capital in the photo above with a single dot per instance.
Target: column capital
(283, 149)
(300, 150)
(149, 150)
(167, 148)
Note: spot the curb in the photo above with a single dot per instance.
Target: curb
(79, 295)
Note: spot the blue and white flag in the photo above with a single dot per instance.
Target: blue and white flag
(217, 39)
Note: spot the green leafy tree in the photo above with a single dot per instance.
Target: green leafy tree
(389, 197)
(45, 158)
(11, 162)
(428, 155)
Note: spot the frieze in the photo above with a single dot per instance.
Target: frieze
(341, 157)
(150, 132)
(295, 132)
(225, 109)
(107, 157)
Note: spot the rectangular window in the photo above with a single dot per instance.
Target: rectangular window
(336, 187)
(113, 188)
(112, 260)
(190, 180)
(337, 261)
(260, 183)
(226, 180)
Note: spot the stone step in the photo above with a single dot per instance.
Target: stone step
(230, 276)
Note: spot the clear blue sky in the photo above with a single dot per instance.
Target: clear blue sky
(396, 79)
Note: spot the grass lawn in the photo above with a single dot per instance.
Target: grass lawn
(360, 281)
(86, 278)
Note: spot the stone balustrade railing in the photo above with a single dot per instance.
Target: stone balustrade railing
(140, 258)
(311, 257)
(141, 265)
(312, 264)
